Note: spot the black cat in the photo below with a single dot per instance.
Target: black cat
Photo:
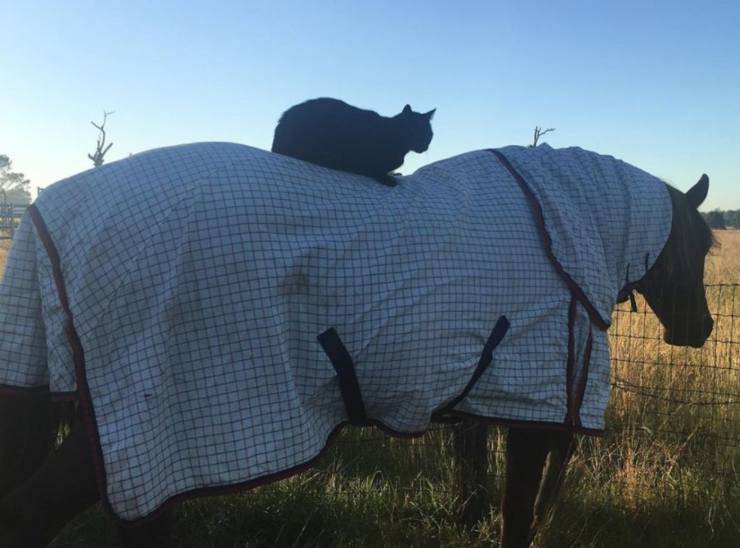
(331, 133)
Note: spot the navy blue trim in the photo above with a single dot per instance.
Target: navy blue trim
(583, 381)
(345, 368)
(576, 387)
(570, 365)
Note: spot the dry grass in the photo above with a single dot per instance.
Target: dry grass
(4, 248)
(723, 264)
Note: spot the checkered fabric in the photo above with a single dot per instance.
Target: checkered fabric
(198, 278)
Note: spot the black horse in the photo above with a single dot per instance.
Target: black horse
(44, 487)
(674, 289)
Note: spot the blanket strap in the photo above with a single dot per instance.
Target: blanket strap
(576, 381)
(486, 357)
(628, 291)
(345, 368)
(575, 415)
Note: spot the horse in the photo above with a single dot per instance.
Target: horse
(42, 487)
(674, 289)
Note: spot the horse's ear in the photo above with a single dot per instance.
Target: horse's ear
(406, 109)
(697, 193)
(430, 114)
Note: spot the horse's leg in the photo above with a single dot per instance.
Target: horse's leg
(526, 450)
(561, 449)
(471, 455)
(59, 488)
(28, 427)
(155, 533)
(34, 513)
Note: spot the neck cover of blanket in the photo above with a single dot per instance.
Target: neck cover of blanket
(220, 311)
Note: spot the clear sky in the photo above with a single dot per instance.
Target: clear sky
(654, 83)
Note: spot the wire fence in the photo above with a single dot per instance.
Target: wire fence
(679, 390)
(10, 217)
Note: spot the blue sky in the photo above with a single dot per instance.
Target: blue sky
(654, 83)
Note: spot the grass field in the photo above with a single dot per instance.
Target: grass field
(667, 473)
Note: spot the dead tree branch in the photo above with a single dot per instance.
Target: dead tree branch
(539, 132)
(98, 157)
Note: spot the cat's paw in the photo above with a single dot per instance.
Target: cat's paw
(387, 180)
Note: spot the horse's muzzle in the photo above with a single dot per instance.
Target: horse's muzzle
(694, 335)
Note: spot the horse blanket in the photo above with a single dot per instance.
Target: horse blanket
(219, 310)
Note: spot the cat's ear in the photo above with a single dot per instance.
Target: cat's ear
(406, 109)
(429, 115)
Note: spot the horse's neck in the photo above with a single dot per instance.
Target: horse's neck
(633, 223)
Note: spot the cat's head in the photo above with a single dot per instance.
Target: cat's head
(416, 128)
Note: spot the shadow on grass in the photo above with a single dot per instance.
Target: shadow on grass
(307, 513)
(577, 523)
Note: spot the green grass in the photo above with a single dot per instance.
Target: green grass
(630, 488)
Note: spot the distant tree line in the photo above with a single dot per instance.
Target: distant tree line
(13, 184)
(719, 219)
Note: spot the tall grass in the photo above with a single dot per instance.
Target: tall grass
(666, 474)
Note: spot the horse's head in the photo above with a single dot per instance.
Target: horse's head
(674, 286)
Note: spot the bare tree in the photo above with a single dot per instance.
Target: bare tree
(539, 132)
(98, 157)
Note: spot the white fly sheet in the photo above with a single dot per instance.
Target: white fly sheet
(180, 294)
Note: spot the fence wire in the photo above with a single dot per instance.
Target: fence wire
(679, 390)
